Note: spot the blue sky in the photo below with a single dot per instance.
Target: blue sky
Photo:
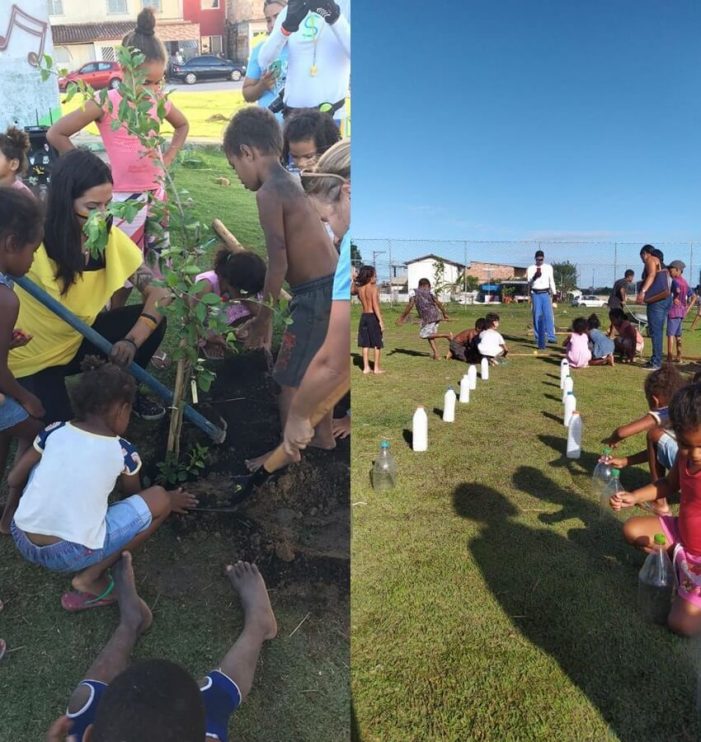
(527, 120)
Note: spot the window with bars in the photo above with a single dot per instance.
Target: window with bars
(55, 7)
(155, 4)
(116, 6)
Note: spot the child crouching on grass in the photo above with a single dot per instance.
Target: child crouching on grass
(683, 532)
(577, 345)
(238, 279)
(661, 450)
(628, 341)
(600, 344)
(463, 346)
(491, 342)
(63, 521)
(430, 311)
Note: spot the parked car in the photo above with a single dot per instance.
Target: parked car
(207, 67)
(96, 74)
(587, 300)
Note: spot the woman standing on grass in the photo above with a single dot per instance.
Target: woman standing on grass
(657, 303)
(63, 267)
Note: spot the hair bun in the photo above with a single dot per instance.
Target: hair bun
(92, 363)
(146, 22)
(18, 138)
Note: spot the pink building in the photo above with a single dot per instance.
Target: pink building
(211, 16)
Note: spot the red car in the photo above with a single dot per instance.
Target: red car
(96, 74)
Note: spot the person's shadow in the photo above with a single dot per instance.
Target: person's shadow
(578, 604)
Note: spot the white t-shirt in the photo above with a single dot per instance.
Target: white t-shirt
(66, 495)
(318, 47)
(546, 279)
(490, 343)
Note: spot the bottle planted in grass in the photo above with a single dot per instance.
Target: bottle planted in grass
(656, 582)
(465, 389)
(564, 372)
(574, 436)
(613, 487)
(384, 470)
(472, 376)
(602, 473)
(484, 369)
(570, 407)
(568, 387)
(419, 430)
(449, 400)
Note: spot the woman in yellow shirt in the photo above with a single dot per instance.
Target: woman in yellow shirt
(64, 268)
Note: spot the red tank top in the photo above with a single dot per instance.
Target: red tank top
(689, 508)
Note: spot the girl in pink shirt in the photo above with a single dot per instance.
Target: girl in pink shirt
(14, 145)
(138, 173)
(577, 344)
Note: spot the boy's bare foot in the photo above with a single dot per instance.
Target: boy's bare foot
(133, 611)
(378, 370)
(257, 461)
(610, 360)
(181, 501)
(436, 358)
(367, 370)
(250, 586)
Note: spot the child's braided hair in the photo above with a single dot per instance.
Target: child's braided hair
(102, 385)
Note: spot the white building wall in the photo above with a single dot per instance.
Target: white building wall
(25, 35)
(427, 269)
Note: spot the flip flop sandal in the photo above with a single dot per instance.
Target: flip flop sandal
(75, 601)
(160, 360)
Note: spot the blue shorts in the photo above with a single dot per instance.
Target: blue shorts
(667, 449)
(674, 327)
(220, 695)
(11, 413)
(123, 521)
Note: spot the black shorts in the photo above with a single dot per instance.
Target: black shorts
(369, 332)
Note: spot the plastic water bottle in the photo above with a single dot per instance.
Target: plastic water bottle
(602, 473)
(465, 389)
(570, 407)
(564, 372)
(656, 583)
(472, 376)
(613, 487)
(419, 430)
(574, 436)
(568, 387)
(449, 400)
(484, 369)
(384, 471)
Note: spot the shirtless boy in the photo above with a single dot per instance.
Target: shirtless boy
(299, 252)
(371, 325)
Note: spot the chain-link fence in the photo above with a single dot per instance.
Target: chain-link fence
(598, 264)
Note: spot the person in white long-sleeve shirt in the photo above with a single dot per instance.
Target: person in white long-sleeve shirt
(541, 282)
(317, 37)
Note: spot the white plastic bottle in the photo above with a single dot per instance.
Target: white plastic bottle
(574, 436)
(569, 387)
(449, 400)
(564, 372)
(484, 369)
(472, 375)
(419, 430)
(465, 389)
(570, 407)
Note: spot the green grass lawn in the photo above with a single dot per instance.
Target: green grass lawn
(301, 690)
(489, 601)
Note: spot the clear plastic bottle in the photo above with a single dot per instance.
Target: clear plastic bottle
(613, 487)
(384, 470)
(449, 400)
(419, 430)
(602, 473)
(656, 583)
(574, 436)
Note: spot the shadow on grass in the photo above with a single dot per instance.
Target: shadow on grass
(408, 352)
(572, 601)
(438, 411)
(357, 360)
(550, 416)
(408, 436)
(551, 383)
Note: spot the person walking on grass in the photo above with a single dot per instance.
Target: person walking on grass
(541, 283)
(681, 294)
(430, 311)
(157, 699)
(371, 324)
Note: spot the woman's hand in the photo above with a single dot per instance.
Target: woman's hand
(19, 338)
(123, 352)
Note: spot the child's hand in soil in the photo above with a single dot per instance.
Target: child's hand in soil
(255, 334)
(19, 339)
(181, 501)
(298, 432)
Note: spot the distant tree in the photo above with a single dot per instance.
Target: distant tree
(565, 276)
(472, 283)
(356, 257)
(438, 275)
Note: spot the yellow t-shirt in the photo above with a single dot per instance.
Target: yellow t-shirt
(54, 342)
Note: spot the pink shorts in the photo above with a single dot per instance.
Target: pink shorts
(687, 566)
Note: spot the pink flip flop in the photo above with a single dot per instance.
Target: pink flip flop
(75, 601)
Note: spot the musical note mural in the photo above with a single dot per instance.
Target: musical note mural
(25, 36)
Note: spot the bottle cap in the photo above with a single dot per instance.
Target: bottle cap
(615, 473)
(385, 443)
(660, 539)
(572, 393)
(608, 450)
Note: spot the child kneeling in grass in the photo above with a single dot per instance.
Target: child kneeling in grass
(491, 342)
(577, 344)
(661, 450)
(683, 532)
(600, 343)
(63, 521)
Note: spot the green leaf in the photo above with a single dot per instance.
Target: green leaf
(211, 299)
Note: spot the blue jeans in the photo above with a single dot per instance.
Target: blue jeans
(656, 316)
(543, 320)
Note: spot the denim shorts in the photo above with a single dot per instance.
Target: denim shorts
(11, 413)
(674, 327)
(124, 520)
(667, 450)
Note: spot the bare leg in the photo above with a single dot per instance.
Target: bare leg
(679, 349)
(259, 625)
(366, 362)
(434, 349)
(376, 365)
(323, 434)
(696, 319)
(284, 401)
(161, 503)
(684, 618)
(670, 340)
(657, 471)
(134, 618)
(640, 531)
(25, 433)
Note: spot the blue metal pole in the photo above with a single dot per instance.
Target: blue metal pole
(215, 433)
